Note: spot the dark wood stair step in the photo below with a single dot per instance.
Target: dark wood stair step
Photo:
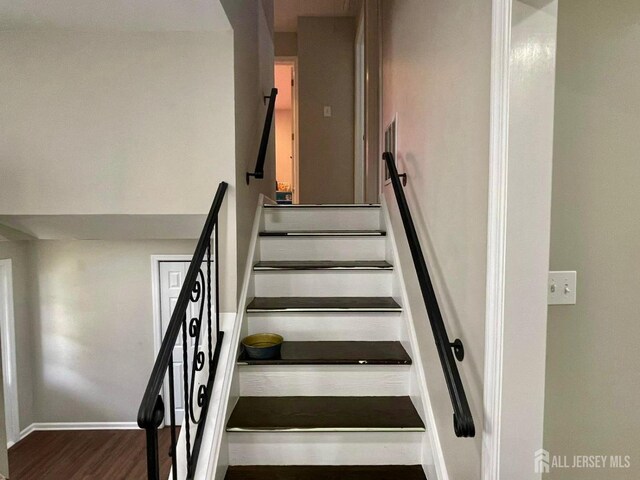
(325, 233)
(322, 205)
(381, 472)
(323, 304)
(322, 265)
(336, 353)
(325, 414)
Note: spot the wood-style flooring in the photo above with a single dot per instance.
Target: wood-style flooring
(83, 455)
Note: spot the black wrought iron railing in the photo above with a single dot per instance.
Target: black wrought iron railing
(266, 133)
(462, 419)
(194, 331)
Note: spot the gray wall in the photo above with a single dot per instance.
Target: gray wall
(436, 77)
(593, 379)
(326, 77)
(286, 44)
(253, 53)
(85, 345)
(114, 122)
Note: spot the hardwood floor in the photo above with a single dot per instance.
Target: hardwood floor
(83, 455)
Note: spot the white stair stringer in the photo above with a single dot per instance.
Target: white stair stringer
(432, 456)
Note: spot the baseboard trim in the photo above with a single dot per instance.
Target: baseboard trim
(60, 426)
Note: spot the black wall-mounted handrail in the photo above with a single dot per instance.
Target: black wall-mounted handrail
(264, 142)
(462, 419)
(195, 325)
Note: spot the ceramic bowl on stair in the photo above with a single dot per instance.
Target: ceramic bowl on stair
(263, 346)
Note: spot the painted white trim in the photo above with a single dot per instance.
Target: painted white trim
(437, 454)
(27, 431)
(497, 237)
(293, 61)
(220, 417)
(66, 426)
(9, 364)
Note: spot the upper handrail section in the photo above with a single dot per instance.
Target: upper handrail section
(266, 133)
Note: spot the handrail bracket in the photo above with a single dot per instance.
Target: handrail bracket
(458, 349)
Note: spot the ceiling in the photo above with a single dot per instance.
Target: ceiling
(131, 15)
(288, 11)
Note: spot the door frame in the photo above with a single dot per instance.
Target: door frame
(518, 241)
(157, 308)
(359, 147)
(9, 364)
(293, 61)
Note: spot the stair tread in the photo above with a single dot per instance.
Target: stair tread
(336, 353)
(324, 233)
(321, 205)
(329, 414)
(322, 472)
(323, 304)
(323, 265)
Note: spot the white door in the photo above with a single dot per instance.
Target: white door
(172, 275)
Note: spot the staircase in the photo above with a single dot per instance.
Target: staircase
(340, 402)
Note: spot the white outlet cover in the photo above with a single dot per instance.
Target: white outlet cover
(327, 111)
(561, 288)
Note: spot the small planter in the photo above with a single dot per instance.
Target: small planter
(263, 346)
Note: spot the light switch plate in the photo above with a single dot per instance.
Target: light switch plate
(561, 288)
(327, 111)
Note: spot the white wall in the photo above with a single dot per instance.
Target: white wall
(436, 77)
(101, 120)
(593, 379)
(92, 327)
(114, 122)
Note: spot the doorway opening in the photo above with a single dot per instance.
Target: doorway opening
(286, 126)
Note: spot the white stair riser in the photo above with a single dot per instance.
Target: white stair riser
(325, 448)
(322, 248)
(323, 284)
(324, 380)
(284, 219)
(329, 326)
